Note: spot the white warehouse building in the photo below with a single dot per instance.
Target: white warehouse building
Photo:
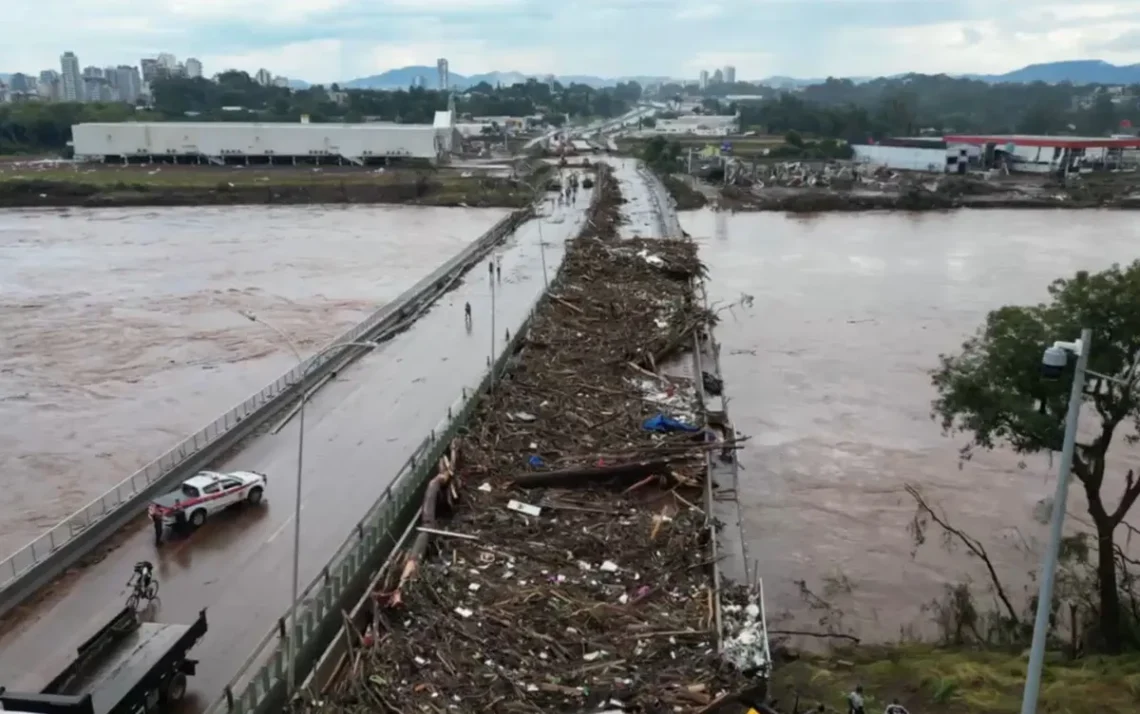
(234, 142)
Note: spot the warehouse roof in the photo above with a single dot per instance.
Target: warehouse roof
(265, 124)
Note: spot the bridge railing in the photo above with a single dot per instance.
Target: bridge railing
(127, 491)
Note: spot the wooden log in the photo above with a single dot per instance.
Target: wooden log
(619, 475)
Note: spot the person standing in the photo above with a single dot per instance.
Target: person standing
(855, 703)
(156, 518)
(895, 708)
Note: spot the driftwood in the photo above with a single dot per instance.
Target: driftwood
(555, 603)
(622, 474)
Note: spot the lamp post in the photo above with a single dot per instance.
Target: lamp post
(291, 680)
(1052, 364)
(539, 216)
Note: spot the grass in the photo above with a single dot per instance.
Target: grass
(928, 680)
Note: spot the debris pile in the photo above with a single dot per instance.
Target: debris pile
(573, 572)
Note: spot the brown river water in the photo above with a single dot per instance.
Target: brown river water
(120, 331)
(827, 371)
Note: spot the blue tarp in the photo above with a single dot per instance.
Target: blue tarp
(664, 424)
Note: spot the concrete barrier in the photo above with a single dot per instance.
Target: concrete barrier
(45, 558)
(259, 687)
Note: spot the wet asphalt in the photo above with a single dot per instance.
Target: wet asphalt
(360, 429)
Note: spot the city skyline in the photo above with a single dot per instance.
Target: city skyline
(338, 40)
(75, 82)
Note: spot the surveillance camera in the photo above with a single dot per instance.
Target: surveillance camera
(1053, 362)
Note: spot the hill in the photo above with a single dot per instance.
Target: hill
(404, 77)
(1074, 71)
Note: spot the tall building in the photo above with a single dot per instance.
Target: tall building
(704, 79)
(264, 77)
(128, 83)
(193, 67)
(149, 69)
(71, 82)
(167, 63)
(49, 85)
(444, 78)
(717, 77)
(21, 82)
(729, 74)
(419, 81)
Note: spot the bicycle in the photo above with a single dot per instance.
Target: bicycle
(144, 588)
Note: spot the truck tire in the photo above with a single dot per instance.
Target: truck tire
(255, 495)
(175, 688)
(198, 518)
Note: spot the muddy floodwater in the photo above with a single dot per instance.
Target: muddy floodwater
(827, 371)
(122, 333)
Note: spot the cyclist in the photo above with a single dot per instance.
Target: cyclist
(143, 578)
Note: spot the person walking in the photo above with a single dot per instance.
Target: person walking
(855, 703)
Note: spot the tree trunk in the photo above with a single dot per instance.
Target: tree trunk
(1110, 630)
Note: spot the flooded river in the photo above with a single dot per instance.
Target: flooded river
(828, 373)
(122, 334)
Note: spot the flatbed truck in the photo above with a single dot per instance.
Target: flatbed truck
(128, 666)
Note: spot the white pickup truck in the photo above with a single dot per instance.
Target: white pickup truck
(203, 495)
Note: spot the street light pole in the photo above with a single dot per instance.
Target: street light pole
(1056, 528)
(291, 681)
(538, 217)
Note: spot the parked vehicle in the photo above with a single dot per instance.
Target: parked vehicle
(128, 666)
(203, 495)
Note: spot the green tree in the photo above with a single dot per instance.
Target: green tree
(993, 391)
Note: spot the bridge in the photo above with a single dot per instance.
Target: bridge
(361, 427)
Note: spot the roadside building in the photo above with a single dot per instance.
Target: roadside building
(1044, 154)
(915, 154)
(254, 142)
(696, 125)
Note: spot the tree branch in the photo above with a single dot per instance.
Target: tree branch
(973, 545)
(1131, 493)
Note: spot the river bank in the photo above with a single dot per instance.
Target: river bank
(811, 200)
(69, 185)
(929, 680)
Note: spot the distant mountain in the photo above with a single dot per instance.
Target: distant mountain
(404, 77)
(1075, 71)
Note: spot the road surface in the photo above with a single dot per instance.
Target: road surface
(647, 211)
(359, 431)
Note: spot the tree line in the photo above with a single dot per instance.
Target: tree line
(906, 106)
(235, 96)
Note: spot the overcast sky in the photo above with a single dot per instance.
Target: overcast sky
(329, 40)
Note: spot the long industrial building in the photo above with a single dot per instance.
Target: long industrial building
(247, 143)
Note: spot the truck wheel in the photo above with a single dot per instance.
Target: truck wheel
(255, 495)
(176, 687)
(153, 698)
(197, 518)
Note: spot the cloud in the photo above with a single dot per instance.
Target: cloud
(329, 40)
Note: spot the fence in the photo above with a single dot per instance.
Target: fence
(259, 685)
(126, 495)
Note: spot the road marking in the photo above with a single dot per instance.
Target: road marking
(282, 528)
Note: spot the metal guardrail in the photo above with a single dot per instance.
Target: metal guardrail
(259, 685)
(122, 494)
(261, 679)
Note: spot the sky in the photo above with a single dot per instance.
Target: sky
(335, 40)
